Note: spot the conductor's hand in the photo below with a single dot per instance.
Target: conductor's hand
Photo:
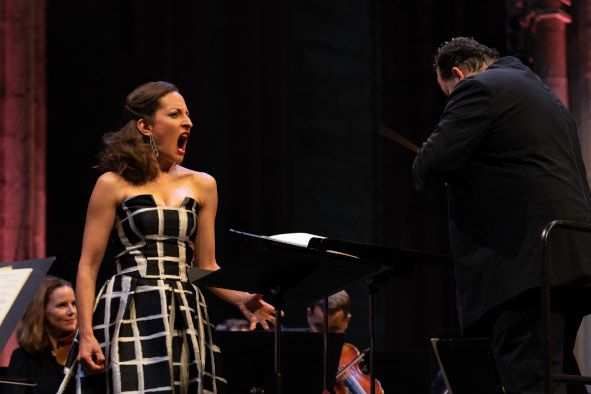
(90, 355)
(257, 311)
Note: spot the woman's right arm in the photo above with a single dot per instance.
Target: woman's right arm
(100, 217)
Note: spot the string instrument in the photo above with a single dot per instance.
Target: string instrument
(350, 378)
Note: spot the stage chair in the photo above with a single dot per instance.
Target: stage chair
(550, 378)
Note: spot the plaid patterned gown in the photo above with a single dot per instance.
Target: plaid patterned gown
(151, 322)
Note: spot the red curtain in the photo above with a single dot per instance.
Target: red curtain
(22, 133)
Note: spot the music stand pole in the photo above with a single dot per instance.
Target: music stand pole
(278, 308)
(372, 290)
(325, 346)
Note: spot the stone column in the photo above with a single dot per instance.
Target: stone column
(548, 45)
(22, 132)
(582, 82)
(581, 108)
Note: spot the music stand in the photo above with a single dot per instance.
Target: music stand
(467, 365)
(288, 272)
(248, 358)
(8, 273)
(395, 262)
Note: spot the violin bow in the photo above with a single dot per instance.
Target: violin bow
(18, 382)
(356, 360)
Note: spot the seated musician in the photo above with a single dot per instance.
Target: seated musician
(338, 313)
(233, 324)
(45, 335)
(350, 378)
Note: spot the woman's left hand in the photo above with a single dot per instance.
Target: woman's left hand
(256, 311)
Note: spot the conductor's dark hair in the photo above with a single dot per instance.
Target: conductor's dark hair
(127, 151)
(465, 53)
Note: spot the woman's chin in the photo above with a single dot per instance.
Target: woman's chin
(178, 158)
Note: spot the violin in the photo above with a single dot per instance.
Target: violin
(350, 378)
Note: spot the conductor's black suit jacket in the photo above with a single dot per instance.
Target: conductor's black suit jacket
(509, 152)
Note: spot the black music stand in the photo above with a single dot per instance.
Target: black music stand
(23, 299)
(395, 262)
(247, 357)
(467, 365)
(288, 272)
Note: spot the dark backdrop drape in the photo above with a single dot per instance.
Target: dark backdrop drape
(286, 98)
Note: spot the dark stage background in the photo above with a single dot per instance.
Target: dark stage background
(286, 98)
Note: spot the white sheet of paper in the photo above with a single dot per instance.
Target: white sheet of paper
(303, 239)
(11, 283)
(298, 239)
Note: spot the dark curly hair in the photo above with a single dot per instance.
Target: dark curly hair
(463, 52)
(127, 151)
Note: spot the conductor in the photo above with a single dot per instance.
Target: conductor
(508, 150)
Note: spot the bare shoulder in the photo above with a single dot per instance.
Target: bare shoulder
(109, 180)
(204, 185)
(202, 181)
(111, 185)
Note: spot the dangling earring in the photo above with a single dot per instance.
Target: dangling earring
(153, 145)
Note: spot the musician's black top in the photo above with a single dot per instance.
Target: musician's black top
(509, 152)
(42, 367)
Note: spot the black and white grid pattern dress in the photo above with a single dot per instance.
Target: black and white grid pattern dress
(151, 322)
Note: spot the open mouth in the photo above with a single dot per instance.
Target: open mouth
(182, 143)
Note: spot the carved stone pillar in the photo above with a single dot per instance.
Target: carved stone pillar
(581, 108)
(548, 44)
(581, 83)
(22, 132)
(536, 33)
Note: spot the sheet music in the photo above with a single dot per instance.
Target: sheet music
(303, 239)
(298, 239)
(12, 281)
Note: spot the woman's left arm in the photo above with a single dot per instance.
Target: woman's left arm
(252, 306)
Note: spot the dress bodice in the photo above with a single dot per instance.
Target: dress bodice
(154, 241)
(151, 322)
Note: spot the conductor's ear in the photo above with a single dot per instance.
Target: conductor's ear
(458, 73)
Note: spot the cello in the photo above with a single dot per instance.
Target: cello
(350, 378)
